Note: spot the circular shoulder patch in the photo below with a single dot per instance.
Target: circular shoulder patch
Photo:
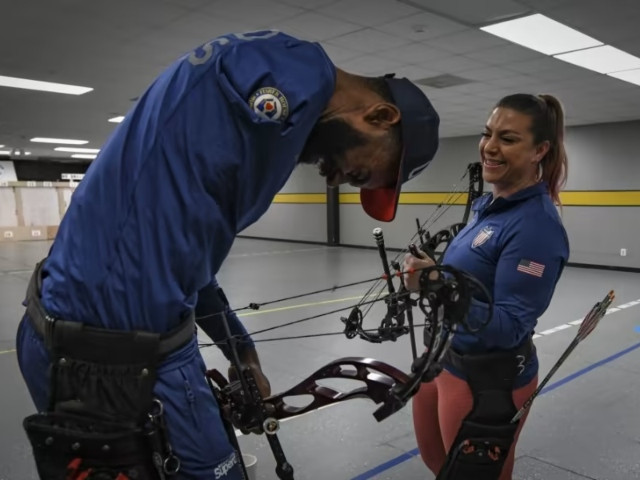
(269, 103)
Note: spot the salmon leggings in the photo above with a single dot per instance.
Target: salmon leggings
(438, 410)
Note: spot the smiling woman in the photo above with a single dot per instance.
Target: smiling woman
(522, 144)
(517, 247)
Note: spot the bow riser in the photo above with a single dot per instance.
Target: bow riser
(375, 379)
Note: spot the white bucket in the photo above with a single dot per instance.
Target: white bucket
(251, 464)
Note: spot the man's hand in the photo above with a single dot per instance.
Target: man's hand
(249, 358)
(413, 267)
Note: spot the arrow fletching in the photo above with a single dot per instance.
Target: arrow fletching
(592, 319)
(587, 326)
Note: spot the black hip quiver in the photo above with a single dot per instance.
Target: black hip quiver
(486, 435)
(102, 422)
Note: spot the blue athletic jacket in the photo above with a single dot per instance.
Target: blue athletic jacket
(517, 247)
(198, 159)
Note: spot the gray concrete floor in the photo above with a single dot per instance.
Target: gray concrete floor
(581, 429)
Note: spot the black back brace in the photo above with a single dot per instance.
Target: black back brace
(102, 421)
(486, 435)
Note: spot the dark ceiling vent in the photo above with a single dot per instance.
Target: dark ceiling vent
(443, 81)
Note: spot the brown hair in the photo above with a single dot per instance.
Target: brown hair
(547, 124)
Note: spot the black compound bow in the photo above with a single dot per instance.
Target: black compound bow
(444, 298)
(394, 326)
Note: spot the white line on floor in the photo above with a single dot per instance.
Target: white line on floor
(579, 321)
(14, 272)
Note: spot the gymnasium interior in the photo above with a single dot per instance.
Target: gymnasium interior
(318, 239)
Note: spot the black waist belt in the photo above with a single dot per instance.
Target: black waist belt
(88, 338)
(455, 359)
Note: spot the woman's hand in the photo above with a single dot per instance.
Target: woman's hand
(413, 266)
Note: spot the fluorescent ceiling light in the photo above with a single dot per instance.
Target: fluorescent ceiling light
(5, 152)
(116, 119)
(1, 146)
(61, 141)
(76, 150)
(631, 76)
(42, 86)
(542, 34)
(83, 155)
(605, 59)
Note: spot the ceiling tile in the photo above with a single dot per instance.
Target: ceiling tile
(186, 4)
(414, 53)
(475, 88)
(467, 41)
(308, 4)
(485, 74)
(563, 73)
(339, 54)
(414, 72)
(197, 28)
(453, 64)
(474, 13)
(315, 26)
(631, 44)
(515, 81)
(422, 26)
(537, 65)
(370, 65)
(504, 55)
(368, 40)
(368, 13)
(262, 11)
(119, 47)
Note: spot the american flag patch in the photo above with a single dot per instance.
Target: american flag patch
(532, 268)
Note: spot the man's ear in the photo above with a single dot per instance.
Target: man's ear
(383, 115)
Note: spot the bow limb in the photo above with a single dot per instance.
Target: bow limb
(374, 380)
(476, 188)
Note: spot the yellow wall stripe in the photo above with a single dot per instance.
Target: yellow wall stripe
(415, 198)
(301, 198)
(602, 198)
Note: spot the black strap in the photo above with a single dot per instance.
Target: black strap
(485, 437)
(44, 324)
(458, 361)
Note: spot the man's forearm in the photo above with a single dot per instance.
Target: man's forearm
(209, 318)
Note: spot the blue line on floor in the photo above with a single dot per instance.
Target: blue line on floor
(637, 329)
(387, 465)
(413, 453)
